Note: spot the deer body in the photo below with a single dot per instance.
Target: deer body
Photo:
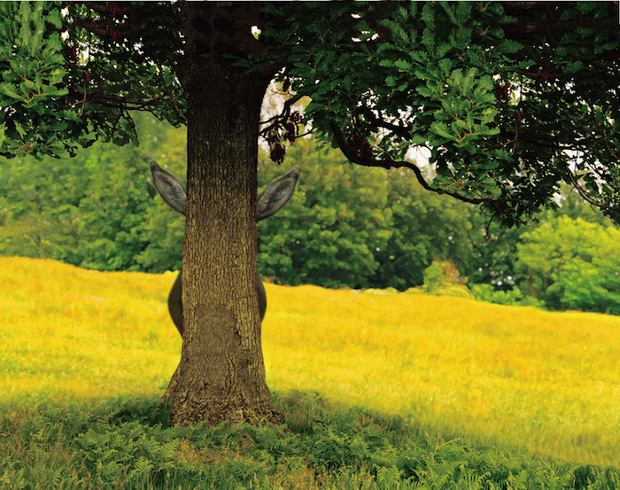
(274, 197)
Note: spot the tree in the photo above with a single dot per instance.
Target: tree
(102, 220)
(509, 98)
(333, 228)
(572, 264)
(353, 226)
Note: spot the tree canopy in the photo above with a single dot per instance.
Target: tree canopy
(510, 98)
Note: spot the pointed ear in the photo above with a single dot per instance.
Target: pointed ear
(277, 194)
(169, 188)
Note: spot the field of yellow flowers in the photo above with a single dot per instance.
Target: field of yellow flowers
(548, 382)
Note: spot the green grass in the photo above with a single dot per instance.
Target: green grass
(379, 390)
(124, 443)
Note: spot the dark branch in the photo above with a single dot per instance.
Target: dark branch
(286, 112)
(379, 122)
(105, 30)
(582, 192)
(105, 8)
(389, 163)
(112, 101)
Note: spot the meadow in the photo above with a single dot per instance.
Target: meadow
(75, 345)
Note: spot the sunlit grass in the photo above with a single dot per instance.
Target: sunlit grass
(546, 381)
(69, 332)
(549, 382)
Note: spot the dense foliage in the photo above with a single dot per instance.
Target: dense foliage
(571, 264)
(360, 227)
(64, 86)
(96, 210)
(511, 99)
(345, 227)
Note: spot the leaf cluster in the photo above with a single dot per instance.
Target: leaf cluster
(126, 57)
(32, 90)
(71, 74)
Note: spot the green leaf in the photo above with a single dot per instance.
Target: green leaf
(402, 65)
(446, 65)
(418, 139)
(8, 90)
(442, 130)
(391, 81)
(462, 124)
(468, 81)
(457, 77)
(20, 129)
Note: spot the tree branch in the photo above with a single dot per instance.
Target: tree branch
(286, 111)
(389, 163)
(106, 30)
(582, 192)
(107, 9)
(379, 122)
(112, 101)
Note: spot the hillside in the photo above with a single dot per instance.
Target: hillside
(518, 377)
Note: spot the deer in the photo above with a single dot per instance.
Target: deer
(271, 200)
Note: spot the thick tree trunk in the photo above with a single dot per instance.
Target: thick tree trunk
(221, 375)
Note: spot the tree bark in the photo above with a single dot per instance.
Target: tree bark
(221, 374)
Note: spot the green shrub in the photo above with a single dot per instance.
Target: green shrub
(442, 275)
(486, 292)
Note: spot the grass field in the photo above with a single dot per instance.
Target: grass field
(549, 382)
(520, 378)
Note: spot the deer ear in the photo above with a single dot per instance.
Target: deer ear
(277, 194)
(169, 188)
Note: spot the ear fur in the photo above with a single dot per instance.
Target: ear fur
(277, 194)
(169, 188)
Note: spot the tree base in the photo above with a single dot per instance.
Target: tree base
(191, 405)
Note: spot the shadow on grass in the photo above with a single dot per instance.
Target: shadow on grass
(129, 443)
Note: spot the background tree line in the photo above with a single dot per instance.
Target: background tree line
(346, 226)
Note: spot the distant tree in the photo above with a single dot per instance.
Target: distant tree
(328, 235)
(102, 220)
(571, 264)
(425, 227)
(510, 98)
(494, 252)
(360, 227)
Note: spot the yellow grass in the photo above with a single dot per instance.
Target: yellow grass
(69, 332)
(546, 381)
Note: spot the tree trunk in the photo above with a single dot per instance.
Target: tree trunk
(221, 375)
